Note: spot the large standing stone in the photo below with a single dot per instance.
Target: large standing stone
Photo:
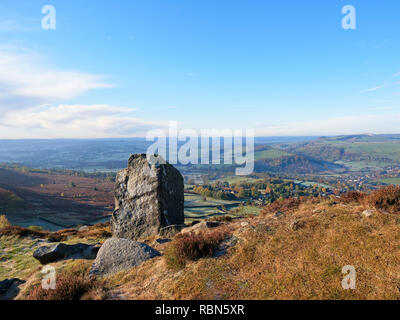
(120, 254)
(148, 197)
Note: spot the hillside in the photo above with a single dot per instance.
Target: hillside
(52, 199)
(296, 254)
(364, 150)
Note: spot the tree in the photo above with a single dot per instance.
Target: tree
(254, 192)
(243, 193)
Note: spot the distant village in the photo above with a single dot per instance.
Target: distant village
(260, 190)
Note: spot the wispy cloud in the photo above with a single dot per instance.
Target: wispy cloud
(33, 100)
(74, 121)
(25, 80)
(372, 89)
(386, 123)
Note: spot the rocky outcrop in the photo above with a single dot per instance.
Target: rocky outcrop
(120, 254)
(9, 288)
(60, 251)
(148, 197)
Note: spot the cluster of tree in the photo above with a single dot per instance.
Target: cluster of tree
(208, 191)
(267, 190)
(293, 164)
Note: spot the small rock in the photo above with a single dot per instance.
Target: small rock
(278, 214)
(83, 228)
(367, 213)
(244, 224)
(59, 251)
(9, 288)
(296, 224)
(225, 245)
(118, 254)
(171, 230)
(161, 241)
(202, 226)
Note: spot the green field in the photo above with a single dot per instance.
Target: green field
(198, 209)
(270, 154)
(358, 165)
(377, 149)
(239, 179)
(395, 181)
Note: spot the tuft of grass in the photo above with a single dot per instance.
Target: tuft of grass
(68, 287)
(289, 204)
(35, 228)
(4, 222)
(22, 232)
(191, 247)
(72, 283)
(352, 196)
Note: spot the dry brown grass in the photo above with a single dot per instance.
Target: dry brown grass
(272, 261)
(286, 205)
(352, 196)
(72, 283)
(192, 246)
(68, 287)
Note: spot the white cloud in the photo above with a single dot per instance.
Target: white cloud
(74, 121)
(386, 123)
(34, 96)
(26, 81)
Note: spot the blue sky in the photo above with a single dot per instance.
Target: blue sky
(120, 68)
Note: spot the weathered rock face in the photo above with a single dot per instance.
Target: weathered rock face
(60, 251)
(120, 254)
(148, 197)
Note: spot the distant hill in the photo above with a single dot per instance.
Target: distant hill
(297, 164)
(362, 138)
(379, 149)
